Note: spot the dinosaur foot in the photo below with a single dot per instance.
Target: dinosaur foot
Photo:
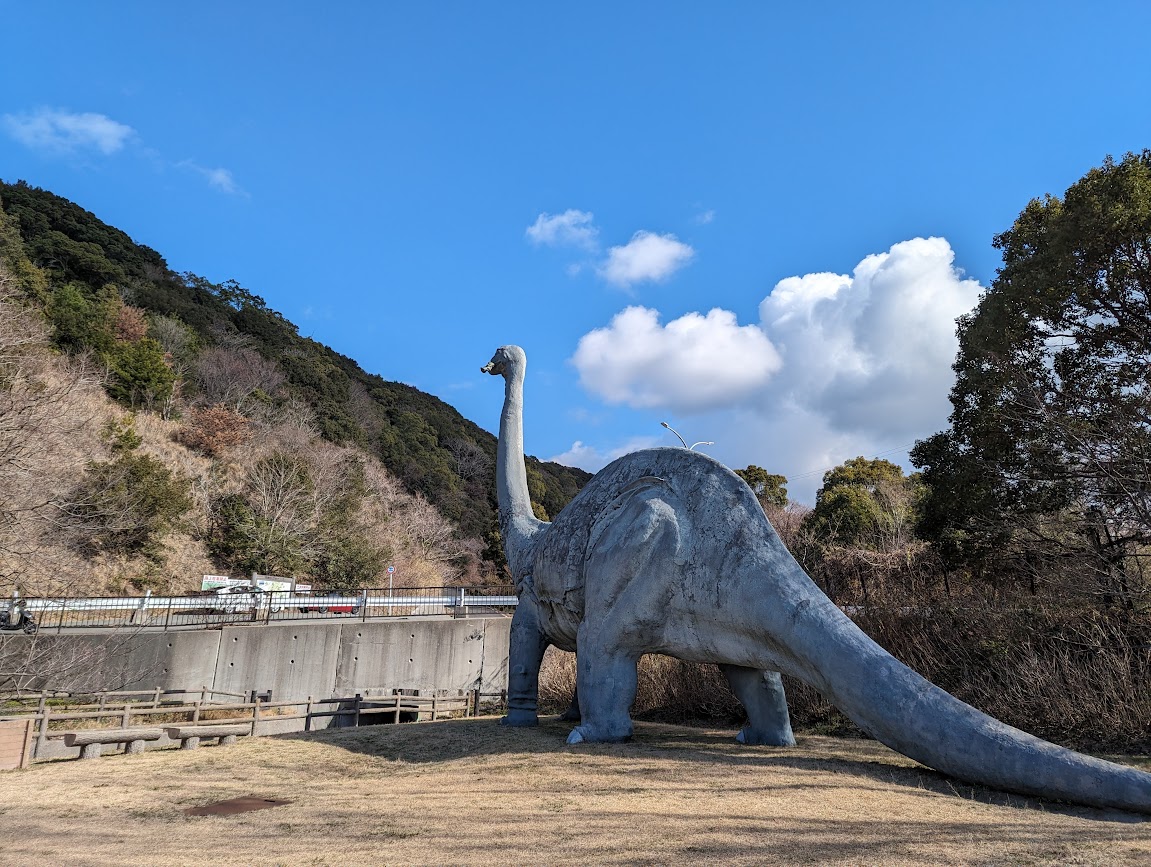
(584, 734)
(520, 719)
(750, 737)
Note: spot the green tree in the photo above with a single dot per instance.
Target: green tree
(16, 262)
(865, 503)
(1050, 440)
(82, 320)
(139, 375)
(127, 504)
(769, 488)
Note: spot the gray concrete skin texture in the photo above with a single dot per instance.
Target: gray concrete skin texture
(667, 551)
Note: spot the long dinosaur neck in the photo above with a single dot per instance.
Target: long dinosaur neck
(518, 523)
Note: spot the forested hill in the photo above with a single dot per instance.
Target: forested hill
(221, 343)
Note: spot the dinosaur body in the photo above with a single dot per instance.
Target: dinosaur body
(667, 551)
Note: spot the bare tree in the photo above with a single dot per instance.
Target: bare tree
(471, 461)
(236, 377)
(48, 409)
(364, 410)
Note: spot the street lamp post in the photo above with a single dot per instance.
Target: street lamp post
(682, 440)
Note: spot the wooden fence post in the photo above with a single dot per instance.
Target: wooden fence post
(26, 755)
(308, 716)
(42, 738)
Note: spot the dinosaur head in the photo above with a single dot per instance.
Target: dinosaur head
(505, 358)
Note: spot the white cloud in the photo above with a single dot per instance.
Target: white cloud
(593, 460)
(873, 351)
(647, 256)
(572, 228)
(838, 366)
(691, 364)
(58, 131)
(705, 217)
(220, 179)
(55, 131)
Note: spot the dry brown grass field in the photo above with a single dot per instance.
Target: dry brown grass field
(470, 792)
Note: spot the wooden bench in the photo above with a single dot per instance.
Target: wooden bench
(189, 736)
(91, 742)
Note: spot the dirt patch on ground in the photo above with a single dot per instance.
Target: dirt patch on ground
(470, 792)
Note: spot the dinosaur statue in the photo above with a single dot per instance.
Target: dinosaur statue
(667, 551)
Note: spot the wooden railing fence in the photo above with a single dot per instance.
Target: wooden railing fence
(49, 717)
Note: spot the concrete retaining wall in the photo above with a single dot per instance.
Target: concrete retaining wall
(301, 659)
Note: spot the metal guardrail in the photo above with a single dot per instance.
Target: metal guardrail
(245, 605)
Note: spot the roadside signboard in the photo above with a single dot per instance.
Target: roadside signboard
(267, 583)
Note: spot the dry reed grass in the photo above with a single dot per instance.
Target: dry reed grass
(1080, 684)
(471, 792)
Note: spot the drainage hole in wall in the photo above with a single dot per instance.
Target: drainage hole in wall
(169, 644)
(355, 659)
(411, 660)
(413, 635)
(235, 638)
(359, 635)
(294, 637)
(231, 664)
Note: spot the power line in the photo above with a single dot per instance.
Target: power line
(826, 469)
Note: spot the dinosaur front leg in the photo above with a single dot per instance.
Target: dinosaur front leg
(762, 695)
(526, 652)
(606, 684)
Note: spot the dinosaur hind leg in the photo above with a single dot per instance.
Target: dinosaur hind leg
(762, 695)
(605, 684)
(572, 714)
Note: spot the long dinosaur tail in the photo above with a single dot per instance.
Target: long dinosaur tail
(810, 638)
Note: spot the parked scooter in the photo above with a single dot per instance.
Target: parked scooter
(16, 617)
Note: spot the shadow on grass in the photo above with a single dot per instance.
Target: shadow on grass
(867, 760)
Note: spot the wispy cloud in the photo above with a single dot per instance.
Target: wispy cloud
(593, 460)
(71, 134)
(572, 228)
(219, 179)
(705, 217)
(58, 131)
(646, 257)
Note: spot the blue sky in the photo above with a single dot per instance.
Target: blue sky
(754, 221)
